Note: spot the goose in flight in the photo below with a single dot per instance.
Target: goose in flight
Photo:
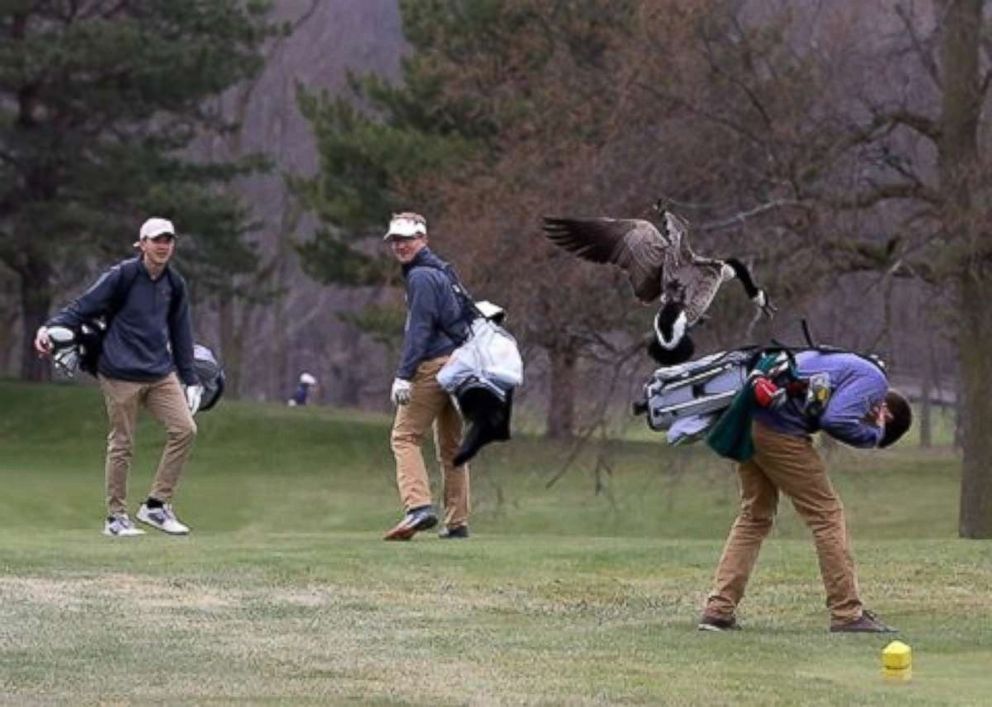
(660, 265)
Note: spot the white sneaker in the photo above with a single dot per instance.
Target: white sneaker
(163, 518)
(120, 526)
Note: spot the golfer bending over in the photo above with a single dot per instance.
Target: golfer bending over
(862, 411)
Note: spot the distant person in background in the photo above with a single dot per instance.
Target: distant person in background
(304, 389)
(860, 410)
(148, 340)
(436, 324)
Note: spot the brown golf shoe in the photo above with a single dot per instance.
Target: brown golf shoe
(866, 623)
(413, 522)
(709, 622)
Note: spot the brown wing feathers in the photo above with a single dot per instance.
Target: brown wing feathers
(631, 244)
(592, 239)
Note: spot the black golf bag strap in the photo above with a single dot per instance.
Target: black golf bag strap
(129, 274)
(470, 311)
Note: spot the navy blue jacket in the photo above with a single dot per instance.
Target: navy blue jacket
(437, 319)
(150, 335)
(301, 394)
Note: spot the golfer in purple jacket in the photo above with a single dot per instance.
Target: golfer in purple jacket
(860, 411)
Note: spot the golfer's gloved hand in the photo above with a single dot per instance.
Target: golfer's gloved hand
(766, 393)
(401, 392)
(194, 393)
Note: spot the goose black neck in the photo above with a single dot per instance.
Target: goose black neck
(744, 275)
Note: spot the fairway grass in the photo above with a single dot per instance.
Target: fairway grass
(586, 592)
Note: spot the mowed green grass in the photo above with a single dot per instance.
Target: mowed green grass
(582, 593)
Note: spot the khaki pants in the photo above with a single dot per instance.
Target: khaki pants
(430, 404)
(164, 399)
(790, 464)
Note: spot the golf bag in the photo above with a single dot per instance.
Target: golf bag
(77, 349)
(481, 374)
(685, 400)
(211, 375)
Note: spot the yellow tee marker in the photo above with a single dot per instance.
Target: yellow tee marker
(897, 662)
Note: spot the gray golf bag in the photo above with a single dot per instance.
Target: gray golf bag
(482, 374)
(686, 400)
(211, 375)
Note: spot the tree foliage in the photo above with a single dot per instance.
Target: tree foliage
(476, 87)
(98, 102)
(784, 136)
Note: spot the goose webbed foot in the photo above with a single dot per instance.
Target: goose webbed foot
(762, 301)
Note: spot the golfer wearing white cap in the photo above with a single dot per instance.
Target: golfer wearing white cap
(436, 324)
(148, 341)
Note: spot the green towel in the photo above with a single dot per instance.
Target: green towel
(730, 437)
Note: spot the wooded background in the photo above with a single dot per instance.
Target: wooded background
(841, 148)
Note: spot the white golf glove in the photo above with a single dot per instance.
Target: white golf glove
(402, 391)
(194, 393)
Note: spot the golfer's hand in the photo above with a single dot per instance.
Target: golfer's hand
(43, 342)
(766, 393)
(401, 392)
(194, 394)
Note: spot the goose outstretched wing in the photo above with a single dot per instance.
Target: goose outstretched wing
(632, 244)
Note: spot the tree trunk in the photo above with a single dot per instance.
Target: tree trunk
(230, 346)
(35, 301)
(345, 383)
(958, 414)
(926, 409)
(975, 352)
(958, 162)
(561, 407)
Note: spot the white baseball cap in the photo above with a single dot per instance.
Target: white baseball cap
(406, 225)
(307, 379)
(156, 227)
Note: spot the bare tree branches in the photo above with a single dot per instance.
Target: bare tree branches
(741, 217)
(921, 46)
(882, 192)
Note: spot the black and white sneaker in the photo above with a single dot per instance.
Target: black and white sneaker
(458, 532)
(163, 518)
(120, 526)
